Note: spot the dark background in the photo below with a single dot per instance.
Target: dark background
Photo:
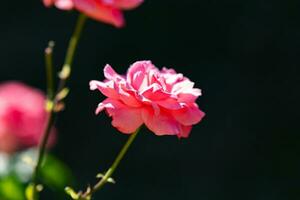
(243, 54)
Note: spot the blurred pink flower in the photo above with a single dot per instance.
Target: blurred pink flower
(108, 11)
(22, 116)
(161, 99)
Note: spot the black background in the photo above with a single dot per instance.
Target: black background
(243, 54)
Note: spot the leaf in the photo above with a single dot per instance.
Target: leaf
(11, 189)
(55, 174)
(30, 193)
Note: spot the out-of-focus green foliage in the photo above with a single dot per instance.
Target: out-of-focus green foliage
(55, 174)
(15, 182)
(29, 192)
(11, 188)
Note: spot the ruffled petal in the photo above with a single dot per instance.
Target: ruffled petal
(171, 104)
(127, 4)
(189, 115)
(128, 97)
(136, 74)
(162, 124)
(106, 88)
(184, 131)
(110, 73)
(64, 4)
(172, 79)
(61, 4)
(9, 143)
(189, 96)
(155, 92)
(168, 71)
(48, 3)
(99, 11)
(125, 119)
(182, 86)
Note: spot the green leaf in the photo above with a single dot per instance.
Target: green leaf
(30, 193)
(55, 174)
(11, 189)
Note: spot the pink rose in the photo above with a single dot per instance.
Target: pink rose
(161, 99)
(22, 116)
(108, 11)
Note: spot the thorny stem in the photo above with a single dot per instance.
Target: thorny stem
(111, 170)
(53, 99)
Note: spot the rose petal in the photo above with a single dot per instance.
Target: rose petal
(64, 4)
(189, 96)
(110, 73)
(154, 92)
(9, 143)
(171, 104)
(106, 88)
(136, 74)
(125, 119)
(99, 11)
(162, 124)
(128, 97)
(185, 131)
(182, 86)
(48, 3)
(171, 78)
(127, 4)
(188, 115)
(168, 71)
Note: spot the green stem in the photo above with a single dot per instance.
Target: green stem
(74, 39)
(53, 100)
(49, 69)
(112, 169)
(66, 70)
(43, 144)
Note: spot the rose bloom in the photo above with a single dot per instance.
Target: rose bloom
(108, 11)
(163, 100)
(22, 116)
